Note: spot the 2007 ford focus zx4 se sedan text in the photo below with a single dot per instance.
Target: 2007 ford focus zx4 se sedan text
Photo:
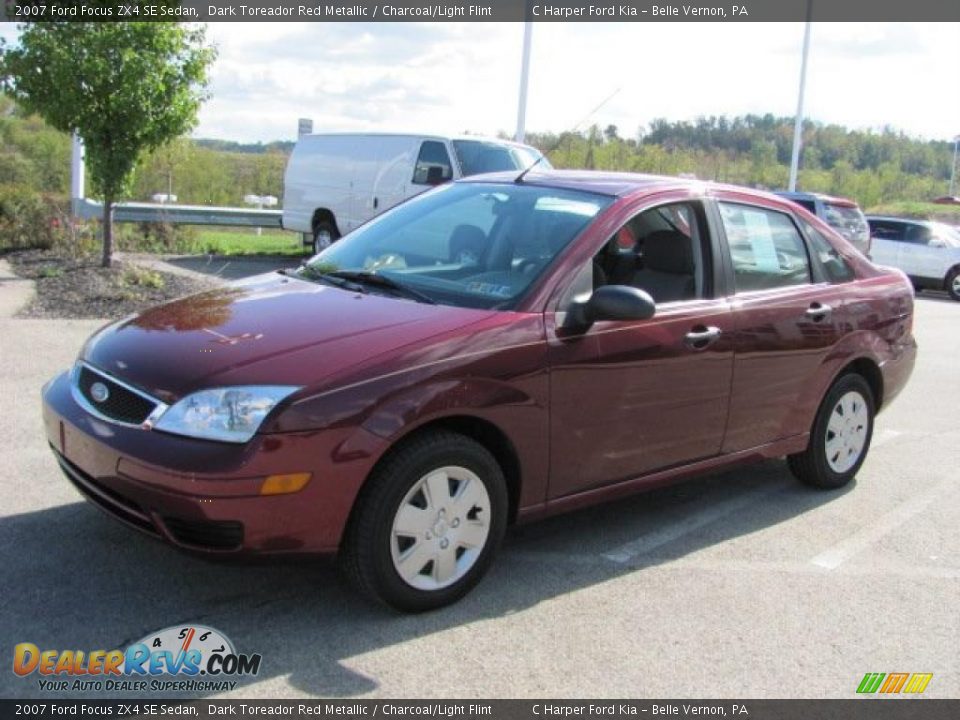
(492, 351)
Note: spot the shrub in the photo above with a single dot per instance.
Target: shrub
(134, 275)
(29, 219)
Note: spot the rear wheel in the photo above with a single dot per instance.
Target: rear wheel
(840, 437)
(953, 283)
(324, 235)
(427, 524)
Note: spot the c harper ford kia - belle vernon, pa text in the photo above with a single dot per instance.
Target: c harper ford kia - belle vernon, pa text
(494, 350)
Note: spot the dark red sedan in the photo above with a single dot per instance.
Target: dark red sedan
(489, 352)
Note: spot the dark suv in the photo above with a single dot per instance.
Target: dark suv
(843, 215)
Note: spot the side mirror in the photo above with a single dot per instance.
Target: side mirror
(611, 302)
(936, 243)
(435, 175)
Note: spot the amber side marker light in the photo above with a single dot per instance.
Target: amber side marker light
(284, 484)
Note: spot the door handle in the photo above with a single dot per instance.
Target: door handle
(376, 202)
(818, 311)
(701, 337)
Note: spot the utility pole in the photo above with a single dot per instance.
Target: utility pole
(798, 121)
(524, 77)
(953, 169)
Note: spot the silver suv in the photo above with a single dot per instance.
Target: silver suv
(929, 252)
(841, 214)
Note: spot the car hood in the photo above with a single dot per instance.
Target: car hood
(270, 329)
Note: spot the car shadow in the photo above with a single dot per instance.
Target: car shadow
(936, 296)
(76, 579)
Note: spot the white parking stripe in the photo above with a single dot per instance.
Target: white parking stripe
(835, 556)
(677, 530)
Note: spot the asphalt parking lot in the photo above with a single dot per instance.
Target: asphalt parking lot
(745, 584)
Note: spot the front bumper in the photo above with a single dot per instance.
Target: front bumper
(200, 495)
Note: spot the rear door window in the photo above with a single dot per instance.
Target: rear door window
(885, 230)
(766, 249)
(834, 265)
(433, 164)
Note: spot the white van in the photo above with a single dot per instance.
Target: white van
(335, 182)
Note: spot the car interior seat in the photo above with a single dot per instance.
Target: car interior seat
(668, 267)
(468, 243)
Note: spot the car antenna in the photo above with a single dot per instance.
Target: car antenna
(519, 178)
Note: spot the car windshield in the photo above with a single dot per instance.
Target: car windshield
(949, 234)
(844, 217)
(482, 156)
(467, 244)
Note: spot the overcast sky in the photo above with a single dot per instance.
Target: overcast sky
(449, 77)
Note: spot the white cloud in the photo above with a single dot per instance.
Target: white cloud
(450, 77)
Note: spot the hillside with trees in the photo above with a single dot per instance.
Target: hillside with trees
(754, 150)
(872, 167)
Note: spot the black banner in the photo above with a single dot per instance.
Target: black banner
(855, 709)
(481, 10)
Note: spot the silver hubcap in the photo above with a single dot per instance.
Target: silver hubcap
(847, 432)
(323, 239)
(956, 284)
(440, 528)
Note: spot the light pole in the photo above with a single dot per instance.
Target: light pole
(798, 121)
(524, 76)
(953, 169)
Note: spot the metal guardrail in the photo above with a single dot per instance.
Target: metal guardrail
(181, 214)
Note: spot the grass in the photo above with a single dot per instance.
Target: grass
(246, 242)
(919, 210)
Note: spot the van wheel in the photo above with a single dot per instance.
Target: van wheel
(953, 283)
(840, 437)
(324, 235)
(427, 524)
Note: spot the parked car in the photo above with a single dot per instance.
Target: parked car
(947, 200)
(928, 252)
(843, 215)
(493, 351)
(336, 182)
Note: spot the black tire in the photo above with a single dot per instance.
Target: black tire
(812, 466)
(367, 552)
(324, 235)
(953, 283)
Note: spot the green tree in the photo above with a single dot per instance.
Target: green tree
(124, 88)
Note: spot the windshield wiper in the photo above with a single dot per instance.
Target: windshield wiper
(306, 272)
(378, 280)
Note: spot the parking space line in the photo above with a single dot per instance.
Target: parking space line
(645, 543)
(834, 557)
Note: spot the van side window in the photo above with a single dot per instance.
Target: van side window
(433, 164)
(765, 246)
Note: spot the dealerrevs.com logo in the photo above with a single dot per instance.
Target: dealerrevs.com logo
(177, 658)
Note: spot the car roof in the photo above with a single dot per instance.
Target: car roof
(423, 136)
(616, 184)
(832, 199)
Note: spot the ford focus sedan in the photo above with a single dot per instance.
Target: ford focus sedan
(491, 352)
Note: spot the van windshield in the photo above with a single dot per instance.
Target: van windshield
(479, 245)
(482, 156)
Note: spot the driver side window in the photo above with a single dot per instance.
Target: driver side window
(659, 251)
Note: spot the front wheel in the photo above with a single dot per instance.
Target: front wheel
(953, 283)
(840, 437)
(324, 235)
(427, 524)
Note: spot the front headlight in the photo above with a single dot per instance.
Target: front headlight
(229, 414)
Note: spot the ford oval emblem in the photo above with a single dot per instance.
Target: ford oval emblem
(99, 392)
